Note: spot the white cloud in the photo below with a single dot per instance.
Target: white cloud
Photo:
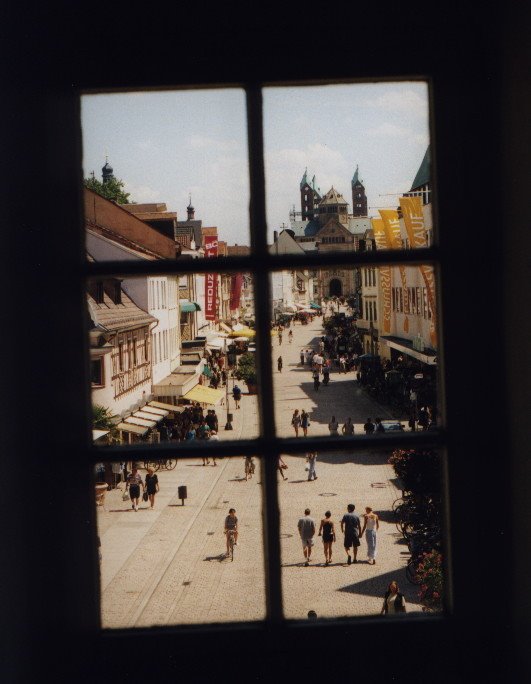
(142, 193)
(403, 101)
(201, 142)
(389, 130)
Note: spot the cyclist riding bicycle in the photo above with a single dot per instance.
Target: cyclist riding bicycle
(249, 467)
(231, 524)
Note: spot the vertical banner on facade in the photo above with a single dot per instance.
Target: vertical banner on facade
(236, 282)
(416, 232)
(385, 274)
(391, 225)
(211, 279)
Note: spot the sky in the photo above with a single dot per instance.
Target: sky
(166, 146)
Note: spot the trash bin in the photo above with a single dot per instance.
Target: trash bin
(182, 493)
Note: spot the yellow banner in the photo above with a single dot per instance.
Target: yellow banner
(385, 274)
(391, 224)
(416, 232)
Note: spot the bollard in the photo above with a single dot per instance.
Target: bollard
(228, 425)
(182, 493)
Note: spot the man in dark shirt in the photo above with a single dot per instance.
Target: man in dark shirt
(369, 427)
(351, 527)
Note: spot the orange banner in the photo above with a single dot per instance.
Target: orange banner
(391, 225)
(416, 232)
(385, 274)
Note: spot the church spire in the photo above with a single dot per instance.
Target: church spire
(304, 179)
(189, 209)
(355, 177)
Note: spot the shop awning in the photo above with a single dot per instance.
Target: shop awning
(216, 343)
(146, 415)
(98, 434)
(243, 332)
(428, 356)
(204, 395)
(141, 421)
(133, 429)
(155, 411)
(313, 305)
(189, 307)
(225, 327)
(162, 405)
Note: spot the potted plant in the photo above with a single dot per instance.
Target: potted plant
(247, 372)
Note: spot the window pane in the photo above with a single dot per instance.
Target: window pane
(405, 529)
(176, 164)
(183, 371)
(166, 564)
(349, 356)
(346, 164)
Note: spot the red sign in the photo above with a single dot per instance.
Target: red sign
(211, 279)
(235, 291)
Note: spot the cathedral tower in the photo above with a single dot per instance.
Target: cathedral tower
(310, 197)
(359, 198)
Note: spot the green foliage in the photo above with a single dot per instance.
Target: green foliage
(101, 418)
(419, 470)
(430, 573)
(112, 189)
(247, 369)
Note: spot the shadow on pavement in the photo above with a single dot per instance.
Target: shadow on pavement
(220, 558)
(368, 458)
(377, 586)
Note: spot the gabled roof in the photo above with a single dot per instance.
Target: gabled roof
(304, 179)
(115, 317)
(424, 172)
(333, 197)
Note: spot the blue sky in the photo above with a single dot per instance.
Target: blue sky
(165, 145)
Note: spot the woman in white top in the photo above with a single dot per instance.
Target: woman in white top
(333, 426)
(296, 422)
(370, 524)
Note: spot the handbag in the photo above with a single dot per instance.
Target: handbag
(125, 495)
(145, 496)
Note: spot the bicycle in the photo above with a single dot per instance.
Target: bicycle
(232, 542)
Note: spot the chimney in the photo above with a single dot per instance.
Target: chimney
(275, 235)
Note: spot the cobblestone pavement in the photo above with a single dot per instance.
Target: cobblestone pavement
(165, 565)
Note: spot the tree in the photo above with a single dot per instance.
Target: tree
(247, 369)
(101, 417)
(112, 189)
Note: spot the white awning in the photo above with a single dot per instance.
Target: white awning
(155, 411)
(162, 405)
(98, 434)
(146, 415)
(216, 343)
(133, 429)
(140, 421)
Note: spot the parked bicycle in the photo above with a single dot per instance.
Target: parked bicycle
(161, 464)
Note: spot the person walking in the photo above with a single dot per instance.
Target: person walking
(249, 467)
(134, 480)
(348, 428)
(302, 357)
(237, 394)
(279, 364)
(333, 426)
(342, 364)
(316, 381)
(371, 524)
(351, 528)
(394, 601)
(279, 337)
(369, 427)
(326, 373)
(306, 527)
(305, 422)
(311, 457)
(328, 532)
(281, 467)
(152, 485)
(231, 523)
(290, 336)
(379, 426)
(296, 422)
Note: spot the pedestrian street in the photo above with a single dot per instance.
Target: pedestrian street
(166, 566)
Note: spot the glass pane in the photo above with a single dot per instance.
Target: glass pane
(172, 358)
(176, 164)
(360, 156)
(165, 563)
(354, 350)
(403, 524)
